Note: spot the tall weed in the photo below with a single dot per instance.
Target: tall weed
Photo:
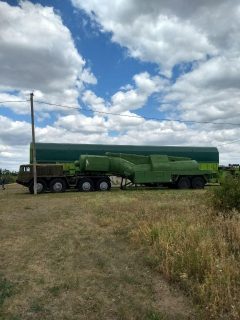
(226, 198)
(200, 253)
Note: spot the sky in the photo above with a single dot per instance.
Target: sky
(156, 72)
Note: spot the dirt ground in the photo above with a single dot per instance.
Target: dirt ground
(70, 256)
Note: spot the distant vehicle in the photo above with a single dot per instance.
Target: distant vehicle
(230, 170)
(92, 172)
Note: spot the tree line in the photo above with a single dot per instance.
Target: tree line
(8, 175)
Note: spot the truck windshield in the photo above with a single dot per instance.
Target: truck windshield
(25, 169)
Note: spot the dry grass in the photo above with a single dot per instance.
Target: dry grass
(70, 256)
(102, 256)
(192, 246)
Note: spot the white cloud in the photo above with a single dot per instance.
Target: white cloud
(16, 135)
(17, 107)
(136, 98)
(129, 97)
(62, 135)
(94, 102)
(170, 32)
(164, 32)
(88, 77)
(82, 124)
(125, 122)
(38, 53)
(14, 132)
(12, 156)
(210, 92)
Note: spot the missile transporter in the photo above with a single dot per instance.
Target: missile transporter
(93, 172)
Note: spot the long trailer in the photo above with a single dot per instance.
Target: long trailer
(92, 172)
(207, 157)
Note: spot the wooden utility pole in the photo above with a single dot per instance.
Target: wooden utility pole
(33, 147)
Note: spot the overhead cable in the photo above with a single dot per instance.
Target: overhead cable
(12, 101)
(230, 142)
(138, 117)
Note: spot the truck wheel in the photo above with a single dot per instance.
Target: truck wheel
(85, 185)
(58, 185)
(184, 183)
(41, 187)
(198, 183)
(103, 184)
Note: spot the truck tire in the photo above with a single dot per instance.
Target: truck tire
(183, 183)
(41, 186)
(198, 183)
(85, 185)
(58, 185)
(103, 184)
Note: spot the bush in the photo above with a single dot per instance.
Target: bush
(226, 198)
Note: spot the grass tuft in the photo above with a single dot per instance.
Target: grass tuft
(226, 198)
(201, 255)
(6, 289)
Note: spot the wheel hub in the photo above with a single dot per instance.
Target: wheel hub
(57, 187)
(39, 187)
(103, 186)
(86, 186)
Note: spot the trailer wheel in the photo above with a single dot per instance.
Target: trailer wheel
(58, 185)
(198, 183)
(41, 187)
(183, 183)
(85, 185)
(103, 184)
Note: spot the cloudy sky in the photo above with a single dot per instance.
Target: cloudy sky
(153, 62)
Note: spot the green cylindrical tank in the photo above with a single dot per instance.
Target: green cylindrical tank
(208, 157)
(140, 169)
(105, 164)
(94, 163)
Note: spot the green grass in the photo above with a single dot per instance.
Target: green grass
(6, 289)
(226, 199)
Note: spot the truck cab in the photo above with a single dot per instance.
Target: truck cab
(25, 174)
(46, 173)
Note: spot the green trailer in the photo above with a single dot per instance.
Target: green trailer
(207, 157)
(93, 172)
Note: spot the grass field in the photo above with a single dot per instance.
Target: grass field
(137, 254)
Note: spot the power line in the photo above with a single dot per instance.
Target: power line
(130, 116)
(57, 105)
(163, 119)
(12, 101)
(230, 142)
(138, 117)
(126, 115)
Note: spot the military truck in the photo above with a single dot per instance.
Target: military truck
(92, 172)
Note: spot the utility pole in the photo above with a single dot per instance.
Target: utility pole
(33, 147)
